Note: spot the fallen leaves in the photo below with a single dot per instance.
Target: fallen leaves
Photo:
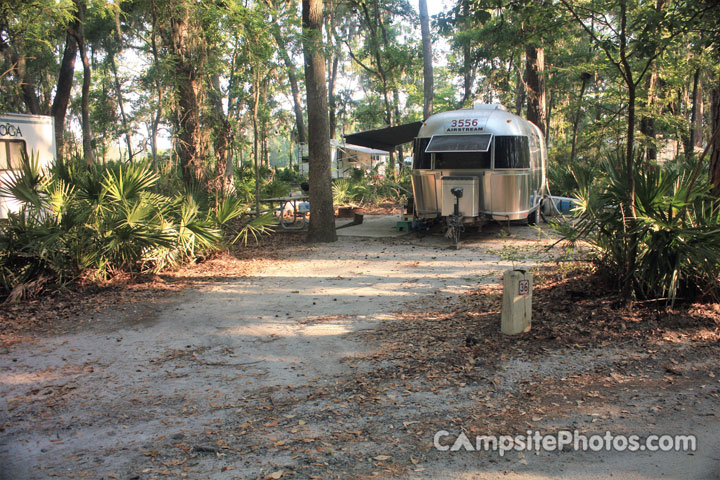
(135, 295)
(441, 363)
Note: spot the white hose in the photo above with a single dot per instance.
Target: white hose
(549, 197)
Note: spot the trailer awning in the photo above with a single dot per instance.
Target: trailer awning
(459, 143)
(386, 138)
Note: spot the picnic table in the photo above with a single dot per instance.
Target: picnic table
(293, 210)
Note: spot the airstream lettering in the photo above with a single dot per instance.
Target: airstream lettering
(494, 160)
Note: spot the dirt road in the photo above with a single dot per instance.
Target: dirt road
(252, 378)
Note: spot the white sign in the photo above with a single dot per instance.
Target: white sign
(523, 287)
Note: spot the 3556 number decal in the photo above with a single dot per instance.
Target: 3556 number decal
(466, 122)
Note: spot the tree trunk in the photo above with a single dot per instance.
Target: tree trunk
(191, 146)
(256, 135)
(535, 85)
(467, 57)
(322, 218)
(229, 176)
(118, 89)
(62, 92)
(584, 77)
(265, 147)
(332, 104)
(189, 52)
(629, 160)
(690, 145)
(222, 132)
(647, 123)
(86, 127)
(264, 151)
(715, 154)
(548, 116)
(17, 57)
(700, 115)
(427, 60)
(294, 88)
(158, 86)
(627, 72)
(395, 164)
(519, 92)
(121, 106)
(79, 33)
(630, 214)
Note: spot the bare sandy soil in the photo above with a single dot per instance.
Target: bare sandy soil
(262, 377)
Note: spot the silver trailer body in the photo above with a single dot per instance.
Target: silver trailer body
(20, 134)
(499, 159)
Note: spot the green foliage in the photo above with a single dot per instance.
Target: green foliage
(31, 29)
(290, 175)
(244, 183)
(258, 226)
(674, 243)
(565, 179)
(275, 188)
(24, 184)
(404, 182)
(32, 249)
(342, 191)
(357, 174)
(370, 190)
(109, 218)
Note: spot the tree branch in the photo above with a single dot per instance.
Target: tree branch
(595, 39)
(352, 55)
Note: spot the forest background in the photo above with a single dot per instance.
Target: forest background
(209, 98)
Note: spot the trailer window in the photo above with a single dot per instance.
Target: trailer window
(421, 160)
(464, 160)
(512, 152)
(11, 153)
(459, 143)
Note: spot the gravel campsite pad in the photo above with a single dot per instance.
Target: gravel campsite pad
(344, 360)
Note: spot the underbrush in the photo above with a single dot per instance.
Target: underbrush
(101, 220)
(370, 189)
(670, 249)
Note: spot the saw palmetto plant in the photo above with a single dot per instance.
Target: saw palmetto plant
(673, 241)
(103, 219)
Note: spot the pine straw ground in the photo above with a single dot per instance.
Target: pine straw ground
(441, 364)
(81, 303)
(444, 365)
(457, 343)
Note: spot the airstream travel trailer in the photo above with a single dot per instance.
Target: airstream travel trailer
(478, 164)
(32, 135)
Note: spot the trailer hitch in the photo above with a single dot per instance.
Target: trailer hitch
(455, 223)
